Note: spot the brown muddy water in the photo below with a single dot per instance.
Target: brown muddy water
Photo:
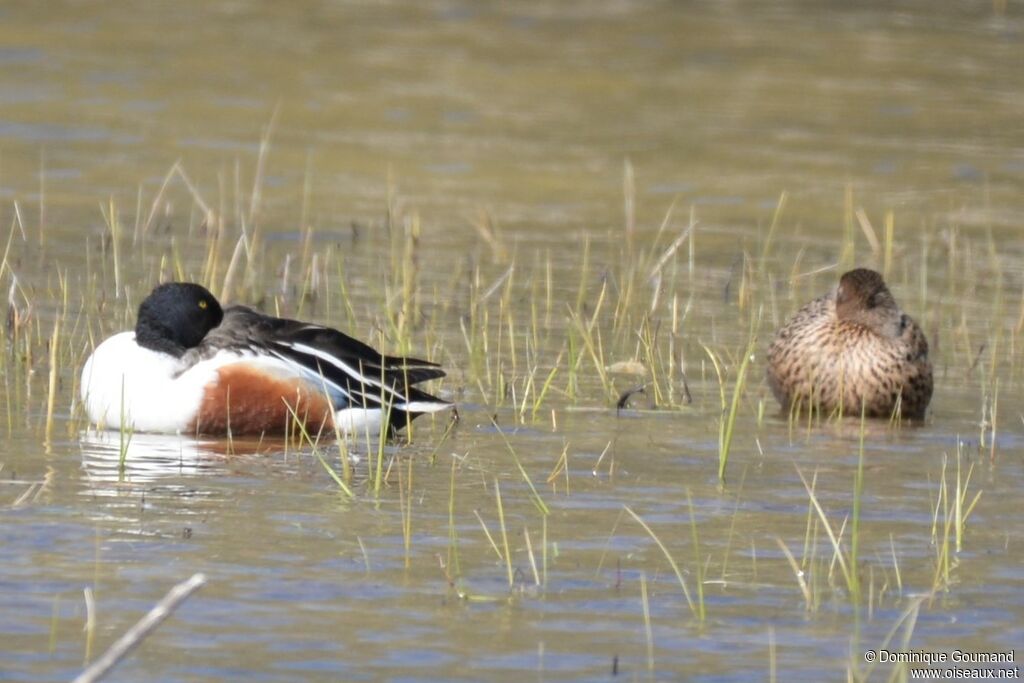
(509, 189)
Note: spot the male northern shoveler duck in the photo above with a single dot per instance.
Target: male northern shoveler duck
(850, 346)
(192, 367)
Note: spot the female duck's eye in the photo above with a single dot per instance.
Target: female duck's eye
(202, 304)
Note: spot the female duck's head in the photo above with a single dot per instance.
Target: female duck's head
(176, 316)
(863, 299)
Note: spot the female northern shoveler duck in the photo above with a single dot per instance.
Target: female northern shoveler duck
(850, 346)
(192, 367)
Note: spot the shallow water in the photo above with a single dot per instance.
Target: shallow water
(501, 135)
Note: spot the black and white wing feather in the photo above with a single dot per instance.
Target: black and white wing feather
(355, 372)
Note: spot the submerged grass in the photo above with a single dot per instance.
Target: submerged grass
(949, 520)
(696, 608)
(730, 408)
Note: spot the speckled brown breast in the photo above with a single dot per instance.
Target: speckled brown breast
(818, 361)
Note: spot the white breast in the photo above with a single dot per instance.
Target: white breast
(123, 379)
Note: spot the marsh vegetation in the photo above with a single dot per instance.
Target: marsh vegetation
(621, 493)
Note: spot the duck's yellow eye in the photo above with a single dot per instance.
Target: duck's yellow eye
(202, 304)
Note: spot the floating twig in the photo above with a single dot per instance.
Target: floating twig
(137, 633)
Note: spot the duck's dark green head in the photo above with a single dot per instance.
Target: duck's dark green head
(176, 316)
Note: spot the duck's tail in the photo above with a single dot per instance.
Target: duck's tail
(417, 402)
(371, 420)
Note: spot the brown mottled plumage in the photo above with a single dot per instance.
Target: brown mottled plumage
(852, 345)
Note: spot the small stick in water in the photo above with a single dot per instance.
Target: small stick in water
(137, 633)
